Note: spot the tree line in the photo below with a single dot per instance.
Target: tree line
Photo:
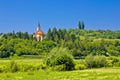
(78, 41)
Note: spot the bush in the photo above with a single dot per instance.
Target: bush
(89, 61)
(13, 67)
(4, 68)
(115, 61)
(95, 61)
(1, 69)
(80, 67)
(60, 56)
(59, 68)
(109, 63)
(4, 54)
(100, 61)
(25, 67)
(42, 66)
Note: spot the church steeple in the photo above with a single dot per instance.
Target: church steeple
(38, 27)
(39, 34)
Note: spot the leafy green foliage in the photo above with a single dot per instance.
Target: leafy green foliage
(10, 47)
(60, 56)
(21, 65)
(114, 61)
(95, 61)
(80, 67)
(79, 42)
(13, 67)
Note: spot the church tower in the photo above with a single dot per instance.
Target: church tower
(39, 34)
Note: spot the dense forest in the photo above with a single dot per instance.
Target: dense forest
(78, 41)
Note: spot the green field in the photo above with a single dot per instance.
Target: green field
(91, 74)
(87, 74)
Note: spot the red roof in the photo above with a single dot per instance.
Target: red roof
(39, 32)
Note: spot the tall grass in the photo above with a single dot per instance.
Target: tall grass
(90, 74)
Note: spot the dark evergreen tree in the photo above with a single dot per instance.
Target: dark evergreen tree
(5, 36)
(19, 34)
(26, 35)
(49, 35)
(13, 34)
(64, 32)
(54, 33)
(60, 34)
(79, 25)
(82, 25)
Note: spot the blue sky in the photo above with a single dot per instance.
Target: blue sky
(24, 15)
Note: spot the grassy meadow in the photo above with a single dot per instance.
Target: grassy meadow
(90, 74)
(87, 74)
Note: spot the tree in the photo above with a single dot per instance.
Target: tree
(73, 37)
(82, 25)
(4, 51)
(13, 34)
(26, 35)
(60, 33)
(19, 34)
(49, 35)
(79, 25)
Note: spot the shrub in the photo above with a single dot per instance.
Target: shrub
(58, 68)
(95, 61)
(5, 68)
(42, 66)
(89, 61)
(60, 56)
(1, 69)
(25, 67)
(13, 67)
(115, 61)
(4, 54)
(80, 67)
(100, 61)
(109, 63)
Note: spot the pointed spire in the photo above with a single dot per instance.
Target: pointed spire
(38, 28)
(39, 35)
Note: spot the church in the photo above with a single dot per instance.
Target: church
(39, 34)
